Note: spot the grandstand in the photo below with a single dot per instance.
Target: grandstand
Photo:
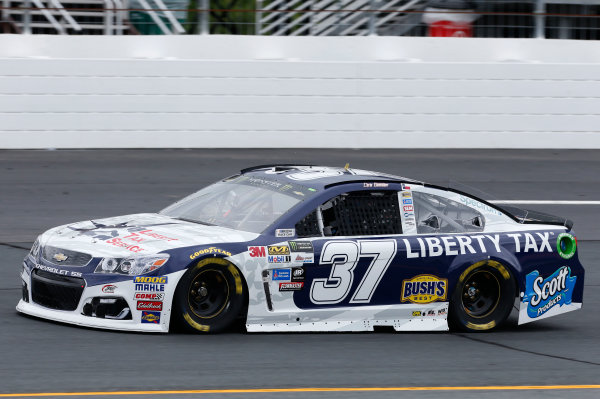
(553, 19)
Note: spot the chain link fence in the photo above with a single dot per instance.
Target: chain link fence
(551, 19)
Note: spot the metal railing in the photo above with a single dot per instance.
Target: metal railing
(106, 17)
(554, 19)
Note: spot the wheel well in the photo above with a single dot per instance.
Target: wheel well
(485, 316)
(222, 262)
(497, 264)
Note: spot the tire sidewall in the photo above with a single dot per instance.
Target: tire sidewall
(460, 319)
(188, 320)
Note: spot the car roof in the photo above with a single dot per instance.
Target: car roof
(322, 176)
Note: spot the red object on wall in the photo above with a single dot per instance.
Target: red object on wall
(450, 29)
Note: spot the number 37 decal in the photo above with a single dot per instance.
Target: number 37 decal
(343, 256)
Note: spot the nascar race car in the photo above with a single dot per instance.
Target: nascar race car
(305, 248)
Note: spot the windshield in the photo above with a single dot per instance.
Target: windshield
(242, 203)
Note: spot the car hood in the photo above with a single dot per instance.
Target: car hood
(145, 233)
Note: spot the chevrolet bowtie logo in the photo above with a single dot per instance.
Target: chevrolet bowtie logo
(59, 257)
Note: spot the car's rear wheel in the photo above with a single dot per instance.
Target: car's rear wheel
(483, 297)
(209, 296)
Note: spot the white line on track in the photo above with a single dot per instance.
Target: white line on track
(545, 202)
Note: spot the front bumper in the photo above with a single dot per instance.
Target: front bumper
(139, 321)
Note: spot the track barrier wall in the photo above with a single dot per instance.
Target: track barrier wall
(268, 92)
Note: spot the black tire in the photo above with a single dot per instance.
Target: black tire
(209, 297)
(483, 297)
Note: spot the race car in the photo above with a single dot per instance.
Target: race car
(307, 248)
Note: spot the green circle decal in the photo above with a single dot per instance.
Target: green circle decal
(566, 245)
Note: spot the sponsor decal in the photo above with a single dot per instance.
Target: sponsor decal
(149, 305)
(566, 245)
(156, 279)
(291, 286)
(416, 313)
(375, 185)
(151, 317)
(60, 257)
(117, 242)
(153, 296)
(442, 312)
(285, 232)
(211, 250)
(472, 244)
(431, 313)
(279, 259)
(109, 289)
(257, 252)
(301, 246)
(541, 294)
(279, 250)
(424, 288)
(297, 274)
(479, 205)
(152, 234)
(526, 242)
(304, 258)
(405, 187)
(407, 216)
(152, 284)
(298, 193)
(54, 270)
(281, 274)
(257, 181)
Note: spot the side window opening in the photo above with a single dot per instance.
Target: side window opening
(437, 214)
(308, 226)
(362, 213)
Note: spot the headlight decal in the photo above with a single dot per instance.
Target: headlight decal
(133, 266)
(35, 250)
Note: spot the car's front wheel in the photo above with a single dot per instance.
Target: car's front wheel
(209, 296)
(483, 297)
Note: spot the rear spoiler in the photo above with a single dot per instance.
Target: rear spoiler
(527, 216)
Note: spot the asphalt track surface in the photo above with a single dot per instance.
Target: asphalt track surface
(40, 189)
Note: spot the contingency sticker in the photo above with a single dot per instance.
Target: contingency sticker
(407, 212)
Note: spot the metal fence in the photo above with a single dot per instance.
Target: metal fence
(552, 19)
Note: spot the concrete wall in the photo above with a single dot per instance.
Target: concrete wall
(241, 91)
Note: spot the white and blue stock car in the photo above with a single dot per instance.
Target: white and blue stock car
(303, 248)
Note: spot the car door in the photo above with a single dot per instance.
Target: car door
(357, 245)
